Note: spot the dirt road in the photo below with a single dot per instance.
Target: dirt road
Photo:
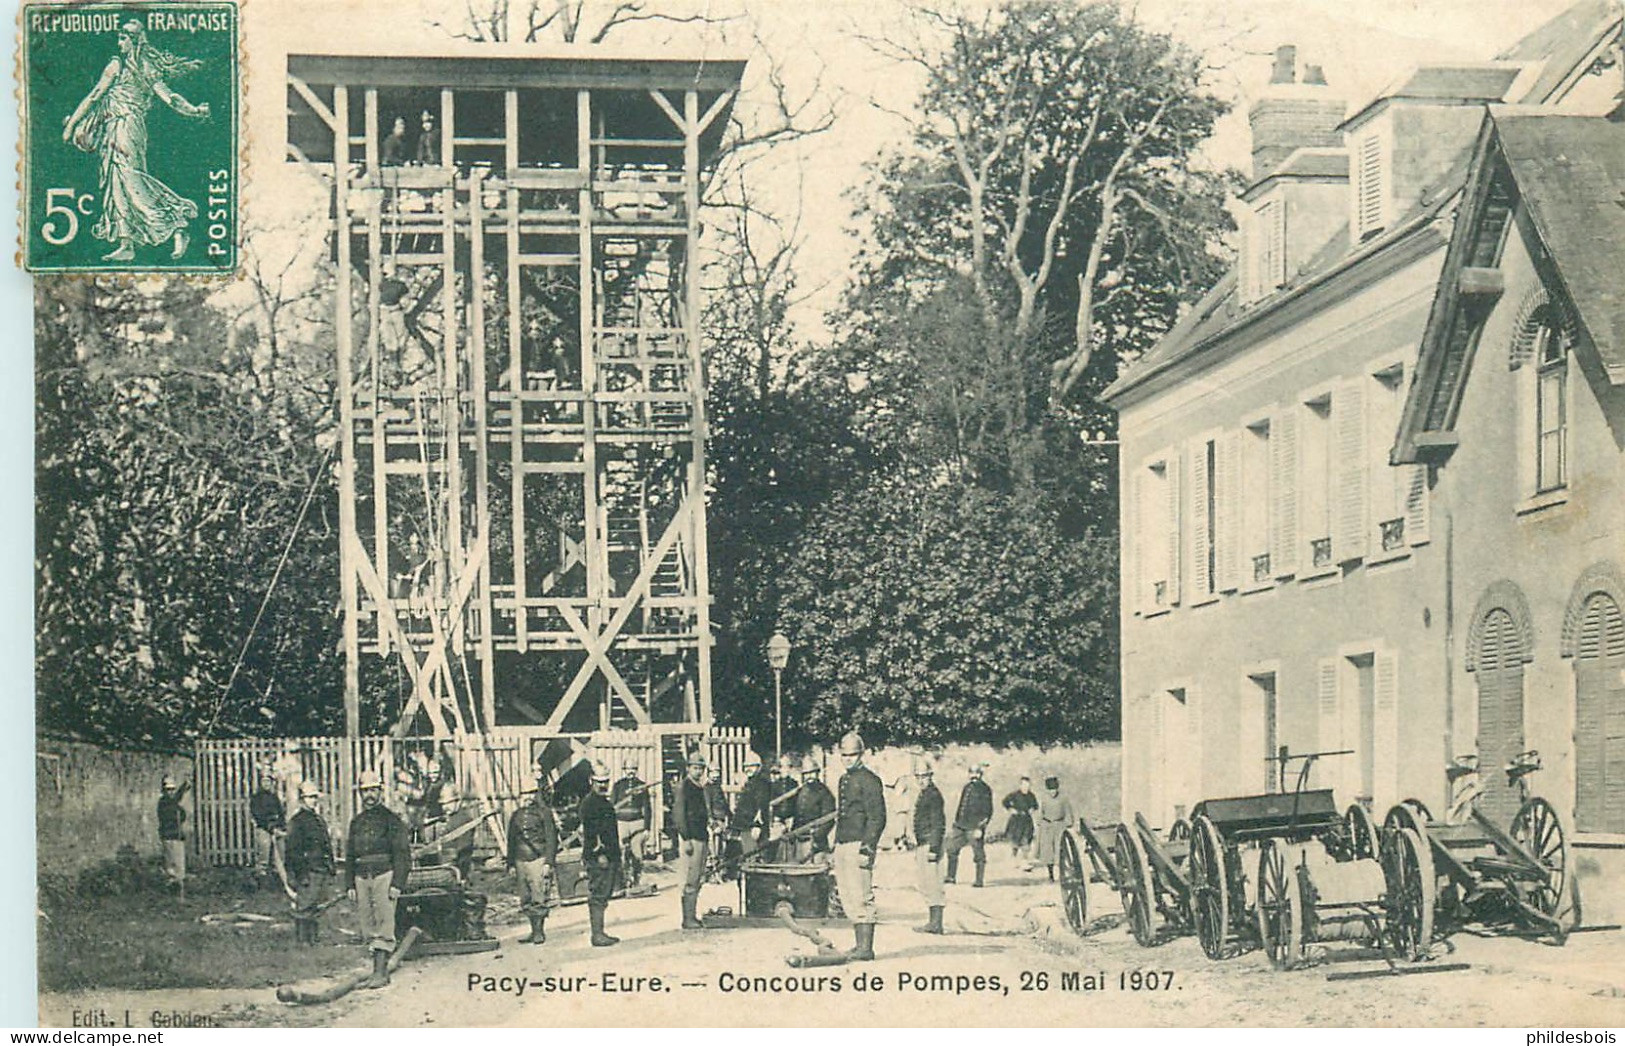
(1007, 961)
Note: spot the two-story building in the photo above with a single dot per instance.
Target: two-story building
(1305, 563)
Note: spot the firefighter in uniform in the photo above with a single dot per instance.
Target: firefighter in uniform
(718, 811)
(533, 850)
(975, 810)
(376, 864)
(634, 813)
(689, 818)
(814, 801)
(309, 863)
(859, 821)
(786, 787)
(750, 812)
(930, 825)
(600, 853)
(172, 831)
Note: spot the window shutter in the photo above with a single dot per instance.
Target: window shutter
(1128, 542)
(1331, 724)
(1369, 180)
(1227, 504)
(1201, 583)
(1417, 498)
(1175, 518)
(1284, 484)
(1246, 269)
(1276, 276)
(1349, 517)
(1527, 382)
(1385, 731)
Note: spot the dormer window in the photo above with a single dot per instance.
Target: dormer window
(1370, 185)
(1266, 249)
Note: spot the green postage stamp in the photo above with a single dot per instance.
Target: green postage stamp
(130, 137)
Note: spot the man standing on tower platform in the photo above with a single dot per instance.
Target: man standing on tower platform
(859, 822)
(533, 850)
(376, 864)
(600, 853)
(975, 810)
(930, 825)
(688, 807)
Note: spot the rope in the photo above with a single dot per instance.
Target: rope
(265, 600)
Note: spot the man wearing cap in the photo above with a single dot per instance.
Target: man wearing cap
(930, 824)
(786, 786)
(1054, 816)
(975, 810)
(600, 853)
(750, 812)
(633, 813)
(309, 863)
(718, 811)
(533, 850)
(172, 831)
(377, 861)
(270, 827)
(689, 817)
(813, 802)
(860, 820)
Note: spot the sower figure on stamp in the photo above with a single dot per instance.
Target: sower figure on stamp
(111, 121)
(309, 864)
(859, 822)
(172, 831)
(689, 816)
(600, 853)
(930, 826)
(1019, 829)
(1054, 815)
(533, 850)
(975, 810)
(376, 864)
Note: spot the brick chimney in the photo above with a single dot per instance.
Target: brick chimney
(1292, 114)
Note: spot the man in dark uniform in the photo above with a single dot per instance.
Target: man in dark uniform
(750, 812)
(785, 789)
(718, 812)
(815, 800)
(309, 863)
(172, 831)
(930, 824)
(600, 853)
(533, 850)
(634, 812)
(270, 828)
(859, 822)
(693, 843)
(975, 810)
(376, 864)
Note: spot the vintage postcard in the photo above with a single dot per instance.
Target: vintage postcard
(730, 513)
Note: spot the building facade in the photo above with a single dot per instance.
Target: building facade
(1289, 579)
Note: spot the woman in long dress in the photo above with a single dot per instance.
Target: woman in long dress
(111, 121)
(1054, 818)
(1018, 831)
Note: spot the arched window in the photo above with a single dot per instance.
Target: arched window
(1551, 345)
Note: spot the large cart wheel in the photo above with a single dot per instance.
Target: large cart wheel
(1074, 884)
(1210, 887)
(1280, 907)
(1360, 833)
(1409, 885)
(1135, 885)
(1179, 830)
(1409, 814)
(1538, 829)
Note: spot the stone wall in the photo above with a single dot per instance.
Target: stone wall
(90, 800)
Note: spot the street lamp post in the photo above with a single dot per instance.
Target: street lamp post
(778, 656)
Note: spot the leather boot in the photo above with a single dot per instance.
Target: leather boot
(595, 915)
(980, 868)
(536, 935)
(933, 922)
(380, 970)
(691, 916)
(953, 869)
(864, 935)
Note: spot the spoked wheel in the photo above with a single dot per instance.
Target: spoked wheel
(1360, 833)
(1538, 829)
(1409, 885)
(1280, 906)
(1409, 814)
(1074, 884)
(1179, 830)
(1210, 887)
(1135, 885)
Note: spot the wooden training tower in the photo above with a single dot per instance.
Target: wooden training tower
(522, 450)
